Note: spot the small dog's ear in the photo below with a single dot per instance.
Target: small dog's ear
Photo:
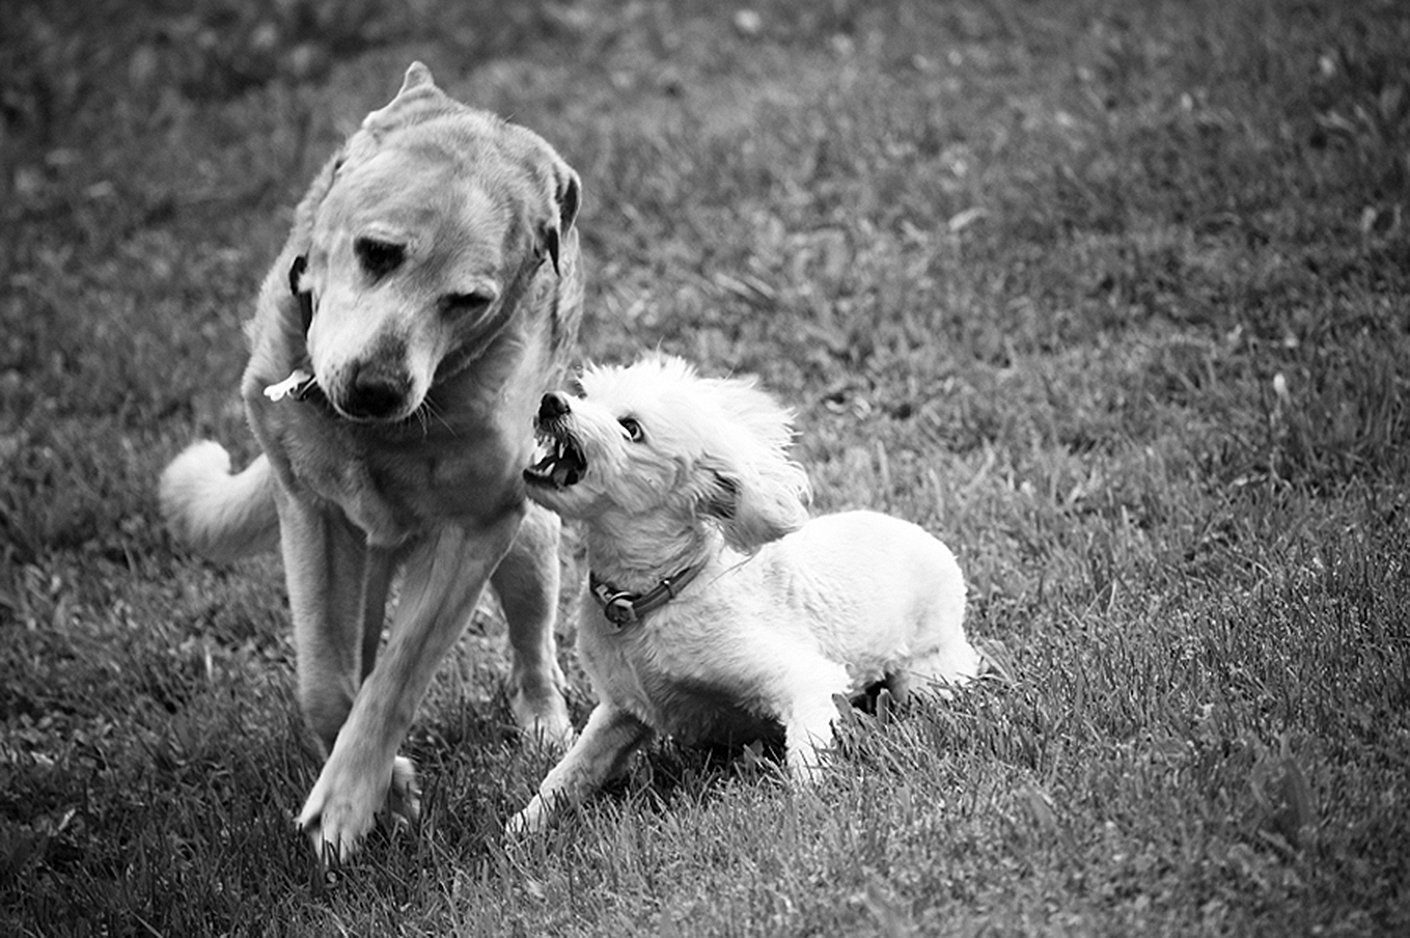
(720, 498)
(762, 508)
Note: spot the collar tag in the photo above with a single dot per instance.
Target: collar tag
(297, 386)
(619, 610)
(617, 605)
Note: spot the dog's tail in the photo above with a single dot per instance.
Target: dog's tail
(217, 514)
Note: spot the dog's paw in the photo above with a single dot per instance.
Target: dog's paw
(404, 796)
(807, 744)
(532, 820)
(805, 765)
(543, 718)
(334, 825)
(342, 806)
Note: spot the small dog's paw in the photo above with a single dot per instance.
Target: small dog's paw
(804, 764)
(886, 705)
(808, 735)
(532, 820)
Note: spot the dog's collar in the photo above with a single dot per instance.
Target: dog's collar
(305, 297)
(622, 608)
(300, 385)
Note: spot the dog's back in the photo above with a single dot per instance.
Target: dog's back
(895, 595)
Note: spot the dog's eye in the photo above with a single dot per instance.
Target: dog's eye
(633, 429)
(378, 258)
(460, 304)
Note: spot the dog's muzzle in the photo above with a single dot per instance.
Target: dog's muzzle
(374, 391)
(558, 459)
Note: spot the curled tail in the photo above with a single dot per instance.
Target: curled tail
(217, 514)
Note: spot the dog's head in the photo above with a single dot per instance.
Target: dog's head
(422, 236)
(655, 441)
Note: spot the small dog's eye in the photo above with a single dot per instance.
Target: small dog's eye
(378, 258)
(633, 429)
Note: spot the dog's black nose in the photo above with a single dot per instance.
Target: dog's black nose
(553, 406)
(375, 392)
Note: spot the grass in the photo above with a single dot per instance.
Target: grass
(1113, 297)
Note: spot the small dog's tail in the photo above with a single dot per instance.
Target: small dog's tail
(217, 514)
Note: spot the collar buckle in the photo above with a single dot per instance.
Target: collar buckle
(622, 608)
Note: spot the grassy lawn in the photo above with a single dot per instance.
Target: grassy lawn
(1113, 297)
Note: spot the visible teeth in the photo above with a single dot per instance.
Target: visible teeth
(556, 460)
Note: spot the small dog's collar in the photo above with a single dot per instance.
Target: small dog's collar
(622, 608)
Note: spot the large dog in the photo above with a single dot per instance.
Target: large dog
(717, 607)
(428, 294)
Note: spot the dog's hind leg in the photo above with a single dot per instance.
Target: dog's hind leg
(808, 713)
(951, 665)
(807, 731)
(527, 584)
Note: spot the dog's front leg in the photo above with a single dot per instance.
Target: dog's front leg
(611, 735)
(325, 568)
(443, 578)
(527, 584)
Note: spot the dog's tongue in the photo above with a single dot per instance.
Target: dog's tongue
(556, 463)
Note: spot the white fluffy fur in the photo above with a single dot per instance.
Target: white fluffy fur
(219, 515)
(785, 612)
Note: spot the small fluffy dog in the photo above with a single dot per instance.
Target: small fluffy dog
(716, 609)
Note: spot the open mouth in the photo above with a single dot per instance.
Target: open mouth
(558, 461)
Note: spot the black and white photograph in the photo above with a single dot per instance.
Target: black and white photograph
(812, 468)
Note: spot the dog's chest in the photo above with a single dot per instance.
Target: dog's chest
(424, 481)
(395, 487)
(458, 460)
(675, 683)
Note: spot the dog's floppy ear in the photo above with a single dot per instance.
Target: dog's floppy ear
(756, 507)
(568, 197)
(744, 478)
